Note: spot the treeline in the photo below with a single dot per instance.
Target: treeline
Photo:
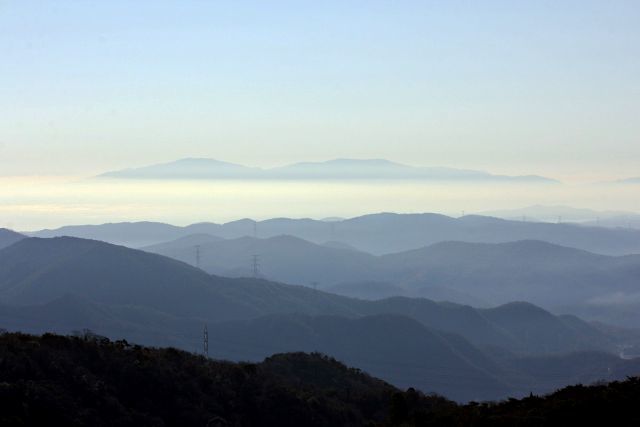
(87, 380)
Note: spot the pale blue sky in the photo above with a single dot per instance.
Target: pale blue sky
(547, 87)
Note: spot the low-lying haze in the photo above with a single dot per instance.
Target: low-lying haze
(26, 204)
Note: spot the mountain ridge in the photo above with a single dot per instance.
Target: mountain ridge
(463, 272)
(9, 237)
(69, 284)
(380, 233)
(202, 168)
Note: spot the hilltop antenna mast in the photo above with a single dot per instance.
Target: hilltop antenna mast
(198, 256)
(255, 261)
(206, 341)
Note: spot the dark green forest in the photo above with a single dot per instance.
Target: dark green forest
(87, 380)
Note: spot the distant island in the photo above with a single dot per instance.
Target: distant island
(337, 169)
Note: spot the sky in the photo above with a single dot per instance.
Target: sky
(527, 87)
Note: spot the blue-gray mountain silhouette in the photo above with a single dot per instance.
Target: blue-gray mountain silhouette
(337, 169)
(9, 237)
(494, 273)
(376, 233)
(63, 284)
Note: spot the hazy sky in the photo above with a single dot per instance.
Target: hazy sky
(546, 87)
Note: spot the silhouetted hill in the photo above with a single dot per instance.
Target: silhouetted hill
(388, 233)
(381, 169)
(338, 169)
(534, 271)
(543, 273)
(282, 258)
(132, 234)
(378, 233)
(529, 331)
(191, 168)
(367, 289)
(87, 380)
(555, 213)
(38, 271)
(186, 244)
(392, 347)
(8, 237)
(375, 290)
(627, 221)
(139, 324)
(335, 244)
(65, 284)
(533, 325)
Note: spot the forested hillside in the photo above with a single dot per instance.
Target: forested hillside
(87, 380)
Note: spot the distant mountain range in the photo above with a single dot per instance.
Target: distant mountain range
(560, 213)
(65, 284)
(546, 274)
(132, 234)
(376, 233)
(338, 169)
(631, 221)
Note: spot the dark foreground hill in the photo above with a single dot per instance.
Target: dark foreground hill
(89, 381)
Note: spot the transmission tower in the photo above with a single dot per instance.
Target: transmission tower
(206, 341)
(255, 261)
(198, 256)
(255, 229)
